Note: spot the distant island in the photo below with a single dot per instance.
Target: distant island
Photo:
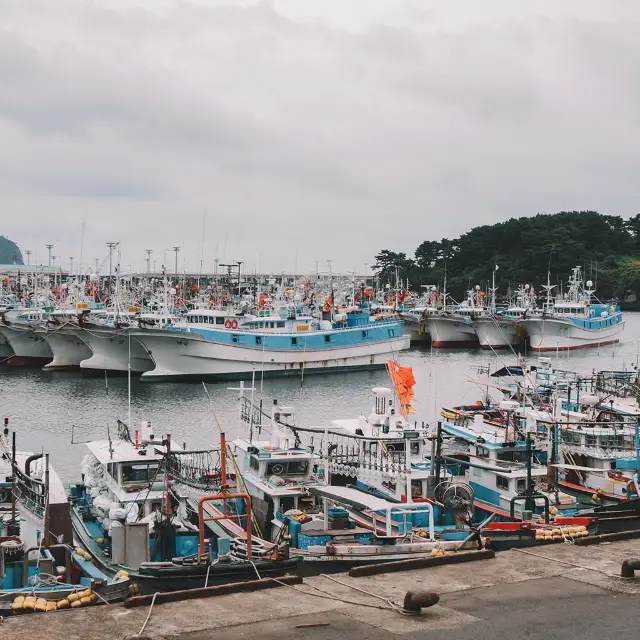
(525, 249)
(9, 252)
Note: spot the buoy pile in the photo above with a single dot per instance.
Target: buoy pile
(437, 551)
(561, 533)
(31, 604)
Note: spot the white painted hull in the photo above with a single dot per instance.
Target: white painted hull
(68, 348)
(182, 355)
(111, 350)
(550, 334)
(497, 333)
(5, 348)
(413, 330)
(28, 347)
(450, 331)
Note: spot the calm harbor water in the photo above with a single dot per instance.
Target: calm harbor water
(45, 408)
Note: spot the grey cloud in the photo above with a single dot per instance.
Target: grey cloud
(317, 128)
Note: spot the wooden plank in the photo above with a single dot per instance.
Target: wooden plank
(217, 590)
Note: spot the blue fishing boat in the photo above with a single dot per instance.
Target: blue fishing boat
(287, 343)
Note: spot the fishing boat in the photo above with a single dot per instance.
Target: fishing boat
(332, 526)
(143, 508)
(501, 328)
(454, 327)
(113, 347)
(289, 343)
(60, 329)
(500, 461)
(37, 559)
(574, 320)
(19, 327)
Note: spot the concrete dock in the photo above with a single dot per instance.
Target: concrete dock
(556, 591)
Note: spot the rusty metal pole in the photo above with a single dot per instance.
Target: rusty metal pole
(47, 524)
(13, 479)
(223, 470)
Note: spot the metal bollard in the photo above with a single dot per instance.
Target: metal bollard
(629, 567)
(415, 601)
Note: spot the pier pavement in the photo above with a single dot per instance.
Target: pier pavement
(557, 591)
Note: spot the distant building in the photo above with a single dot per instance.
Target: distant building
(9, 252)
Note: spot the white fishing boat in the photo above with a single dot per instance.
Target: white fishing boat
(574, 321)
(19, 328)
(113, 346)
(61, 331)
(286, 344)
(500, 329)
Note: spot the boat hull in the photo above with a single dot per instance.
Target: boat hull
(449, 331)
(497, 333)
(68, 348)
(111, 350)
(5, 349)
(413, 328)
(554, 334)
(29, 348)
(180, 356)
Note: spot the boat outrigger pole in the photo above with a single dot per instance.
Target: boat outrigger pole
(224, 495)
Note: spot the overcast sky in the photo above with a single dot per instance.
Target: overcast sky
(302, 130)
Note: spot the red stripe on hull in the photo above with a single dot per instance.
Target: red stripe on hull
(578, 346)
(27, 361)
(442, 344)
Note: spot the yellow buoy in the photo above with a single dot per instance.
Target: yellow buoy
(434, 553)
(553, 510)
(29, 603)
(93, 597)
(73, 597)
(51, 605)
(63, 604)
(85, 601)
(75, 604)
(100, 540)
(80, 551)
(41, 604)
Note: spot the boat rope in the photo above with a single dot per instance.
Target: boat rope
(566, 562)
(144, 624)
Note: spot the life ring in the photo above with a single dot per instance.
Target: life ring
(227, 324)
(234, 324)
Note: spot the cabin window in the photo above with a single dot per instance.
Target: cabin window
(292, 468)
(392, 332)
(212, 320)
(258, 339)
(612, 441)
(415, 448)
(294, 342)
(481, 452)
(416, 488)
(253, 463)
(373, 448)
(219, 320)
(140, 473)
(590, 440)
(280, 324)
(521, 485)
(570, 437)
(327, 338)
(502, 483)
(235, 338)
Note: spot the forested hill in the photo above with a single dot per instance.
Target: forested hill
(9, 252)
(607, 247)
